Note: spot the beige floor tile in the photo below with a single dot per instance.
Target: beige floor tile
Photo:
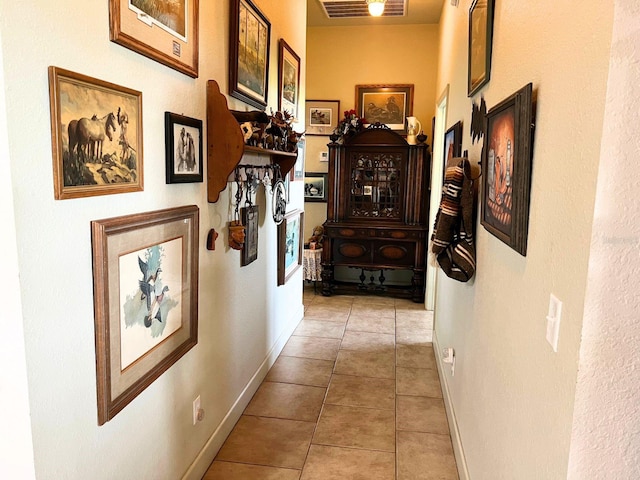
(334, 300)
(421, 414)
(329, 313)
(240, 471)
(418, 381)
(368, 342)
(355, 427)
(366, 364)
(268, 441)
(286, 400)
(415, 356)
(319, 328)
(372, 310)
(425, 456)
(372, 324)
(312, 347)
(362, 392)
(301, 371)
(414, 331)
(404, 304)
(374, 300)
(335, 463)
(417, 315)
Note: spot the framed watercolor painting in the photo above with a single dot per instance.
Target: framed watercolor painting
(250, 34)
(164, 30)
(145, 269)
(315, 187)
(183, 148)
(386, 104)
(290, 245)
(288, 79)
(480, 40)
(322, 116)
(96, 136)
(506, 169)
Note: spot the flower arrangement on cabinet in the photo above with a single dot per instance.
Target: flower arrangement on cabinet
(350, 124)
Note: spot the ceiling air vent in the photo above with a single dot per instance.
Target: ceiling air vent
(358, 8)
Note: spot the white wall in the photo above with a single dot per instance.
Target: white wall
(513, 397)
(605, 441)
(242, 314)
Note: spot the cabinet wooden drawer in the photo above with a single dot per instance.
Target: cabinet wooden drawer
(394, 253)
(351, 251)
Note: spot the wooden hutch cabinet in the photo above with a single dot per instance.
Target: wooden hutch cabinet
(377, 212)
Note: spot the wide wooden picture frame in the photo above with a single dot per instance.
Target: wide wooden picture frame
(145, 270)
(480, 44)
(316, 187)
(322, 116)
(162, 30)
(250, 219)
(452, 144)
(96, 136)
(386, 104)
(249, 41)
(183, 148)
(288, 79)
(290, 245)
(506, 169)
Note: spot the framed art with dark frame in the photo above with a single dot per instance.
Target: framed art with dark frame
(96, 136)
(290, 245)
(315, 187)
(452, 144)
(322, 116)
(480, 40)
(506, 169)
(288, 79)
(166, 32)
(183, 143)
(249, 37)
(386, 104)
(249, 216)
(297, 172)
(145, 271)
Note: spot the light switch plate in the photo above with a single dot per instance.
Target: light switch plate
(553, 321)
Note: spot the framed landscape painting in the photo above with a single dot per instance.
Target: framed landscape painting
(164, 30)
(386, 104)
(322, 116)
(288, 79)
(250, 34)
(290, 245)
(145, 269)
(183, 145)
(96, 136)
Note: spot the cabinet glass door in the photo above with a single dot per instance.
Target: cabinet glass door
(376, 185)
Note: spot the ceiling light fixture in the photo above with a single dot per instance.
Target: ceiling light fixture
(376, 7)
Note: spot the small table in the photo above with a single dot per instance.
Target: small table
(312, 265)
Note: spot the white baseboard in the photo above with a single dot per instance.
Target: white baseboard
(210, 449)
(456, 441)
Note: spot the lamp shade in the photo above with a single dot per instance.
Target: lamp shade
(376, 7)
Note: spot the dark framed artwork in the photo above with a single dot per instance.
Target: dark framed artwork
(480, 40)
(96, 136)
(322, 116)
(250, 34)
(288, 79)
(145, 271)
(183, 143)
(297, 172)
(290, 245)
(506, 169)
(387, 104)
(315, 187)
(452, 143)
(249, 217)
(165, 31)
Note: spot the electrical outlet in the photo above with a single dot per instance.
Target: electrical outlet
(196, 410)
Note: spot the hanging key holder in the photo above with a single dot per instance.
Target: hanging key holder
(236, 229)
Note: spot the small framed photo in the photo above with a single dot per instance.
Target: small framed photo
(506, 169)
(452, 144)
(145, 287)
(96, 133)
(297, 172)
(249, 217)
(290, 245)
(480, 40)
(386, 104)
(288, 79)
(322, 116)
(165, 31)
(315, 187)
(250, 36)
(183, 143)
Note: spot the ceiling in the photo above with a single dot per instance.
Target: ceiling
(418, 12)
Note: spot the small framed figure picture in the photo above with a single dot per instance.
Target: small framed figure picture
(315, 187)
(183, 140)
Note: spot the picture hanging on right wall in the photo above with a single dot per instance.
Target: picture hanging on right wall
(506, 169)
(480, 40)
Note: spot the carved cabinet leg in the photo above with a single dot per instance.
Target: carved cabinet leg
(417, 286)
(327, 280)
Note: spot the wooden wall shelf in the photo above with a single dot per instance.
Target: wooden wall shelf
(225, 144)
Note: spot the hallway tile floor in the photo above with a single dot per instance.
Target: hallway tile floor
(354, 395)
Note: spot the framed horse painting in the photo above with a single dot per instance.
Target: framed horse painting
(96, 136)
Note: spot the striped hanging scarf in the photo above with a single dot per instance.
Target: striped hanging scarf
(452, 239)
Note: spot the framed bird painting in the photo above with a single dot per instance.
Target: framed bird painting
(145, 270)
